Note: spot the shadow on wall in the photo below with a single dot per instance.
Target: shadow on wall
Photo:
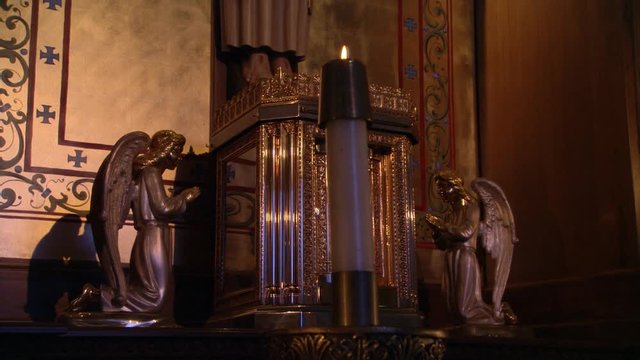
(61, 263)
(431, 301)
(194, 243)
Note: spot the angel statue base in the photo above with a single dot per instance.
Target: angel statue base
(466, 221)
(131, 178)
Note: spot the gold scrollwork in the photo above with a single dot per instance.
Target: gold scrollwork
(436, 17)
(331, 345)
(437, 139)
(436, 96)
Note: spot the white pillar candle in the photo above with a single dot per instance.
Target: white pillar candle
(344, 113)
(349, 193)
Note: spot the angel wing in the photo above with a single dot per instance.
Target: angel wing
(110, 199)
(498, 232)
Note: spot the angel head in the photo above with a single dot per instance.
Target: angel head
(164, 151)
(450, 186)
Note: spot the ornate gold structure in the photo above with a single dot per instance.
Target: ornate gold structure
(356, 343)
(272, 245)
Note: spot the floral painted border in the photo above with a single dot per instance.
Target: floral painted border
(425, 57)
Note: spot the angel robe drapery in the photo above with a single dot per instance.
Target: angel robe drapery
(461, 277)
(150, 282)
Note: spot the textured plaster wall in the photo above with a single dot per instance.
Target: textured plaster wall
(368, 28)
(139, 65)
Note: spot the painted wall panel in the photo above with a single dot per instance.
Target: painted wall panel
(77, 75)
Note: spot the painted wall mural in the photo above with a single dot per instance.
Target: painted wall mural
(74, 77)
(425, 54)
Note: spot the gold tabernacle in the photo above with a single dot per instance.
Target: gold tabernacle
(272, 246)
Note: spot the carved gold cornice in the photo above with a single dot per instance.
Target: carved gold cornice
(304, 88)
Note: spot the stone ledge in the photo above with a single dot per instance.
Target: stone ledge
(19, 341)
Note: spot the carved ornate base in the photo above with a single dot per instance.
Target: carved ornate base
(115, 319)
(355, 343)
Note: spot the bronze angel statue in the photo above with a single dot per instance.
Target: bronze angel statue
(130, 178)
(488, 219)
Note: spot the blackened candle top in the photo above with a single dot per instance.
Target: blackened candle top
(344, 91)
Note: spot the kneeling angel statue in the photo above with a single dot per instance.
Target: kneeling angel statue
(130, 178)
(468, 220)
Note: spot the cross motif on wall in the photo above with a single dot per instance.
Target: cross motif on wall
(46, 114)
(52, 4)
(410, 71)
(77, 159)
(410, 24)
(49, 55)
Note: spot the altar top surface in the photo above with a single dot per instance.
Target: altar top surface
(19, 341)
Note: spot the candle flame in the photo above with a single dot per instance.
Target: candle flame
(344, 53)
